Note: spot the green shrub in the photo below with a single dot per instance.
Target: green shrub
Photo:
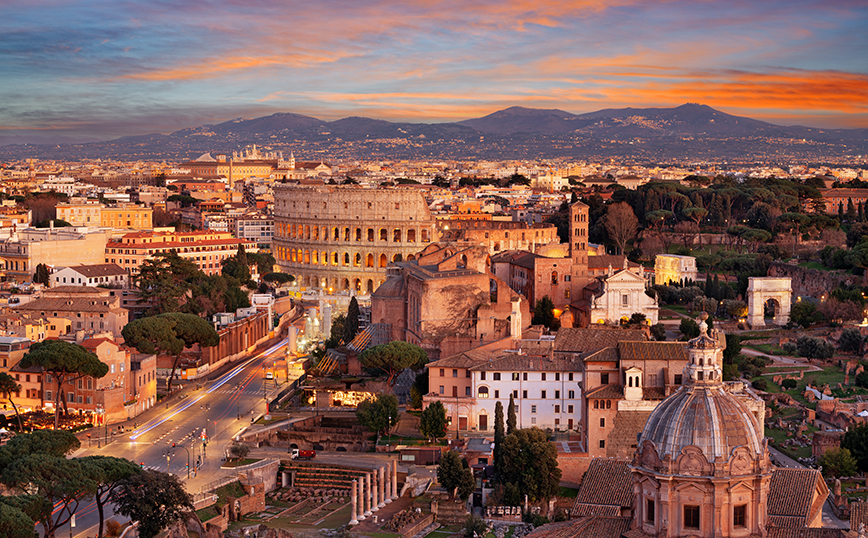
(760, 384)
(789, 383)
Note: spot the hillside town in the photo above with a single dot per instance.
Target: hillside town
(276, 345)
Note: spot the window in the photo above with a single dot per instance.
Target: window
(602, 443)
(497, 393)
(524, 394)
(524, 376)
(739, 514)
(557, 395)
(608, 404)
(497, 376)
(442, 390)
(442, 372)
(624, 299)
(602, 422)
(649, 510)
(454, 372)
(533, 409)
(557, 409)
(515, 394)
(467, 373)
(691, 517)
(543, 395)
(515, 376)
(571, 394)
(533, 420)
(557, 376)
(483, 392)
(467, 391)
(481, 375)
(604, 379)
(596, 404)
(570, 376)
(70, 397)
(543, 376)
(570, 409)
(48, 395)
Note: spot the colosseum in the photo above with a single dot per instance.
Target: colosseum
(342, 237)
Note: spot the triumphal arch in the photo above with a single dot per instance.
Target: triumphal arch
(776, 292)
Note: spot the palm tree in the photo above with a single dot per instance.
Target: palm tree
(8, 386)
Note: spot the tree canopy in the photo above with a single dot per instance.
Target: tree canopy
(530, 462)
(432, 424)
(393, 357)
(169, 334)
(8, 387)
(64, 361)
(452, 474)
(380, 414)
(154, 499)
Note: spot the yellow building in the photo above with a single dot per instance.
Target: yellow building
(80, 212)
(128, 216)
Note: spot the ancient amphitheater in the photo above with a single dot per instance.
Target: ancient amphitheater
(342, 237)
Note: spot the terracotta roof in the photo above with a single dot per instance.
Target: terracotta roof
(58, 290)
(513, 362)
(73, 304)
(791, 494)
(660, 351)
(93, 343)
(858, 514)
(604, 261)
(805, 532)
(653, 393)
(607, 392)
(626, 426)
(102, 269)
(609, 354)
(467, 359)
(586, 527)
(574, 340)
(607, 482)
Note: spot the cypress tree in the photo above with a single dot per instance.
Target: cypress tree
(351, 325)
(861, 212)
(499, 437)
(511, 420)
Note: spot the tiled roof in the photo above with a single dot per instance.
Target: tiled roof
(805, 532)
(467, 359)
(73, 304)
(652, 351)
(858, 514)
(586, 527)
(653, 393)
(609, 354)
(791, 492)
(102, 269)
(609, 392)
(606, 483)
(575, 340)
(625, 428)
(604, 261)
(513, 362)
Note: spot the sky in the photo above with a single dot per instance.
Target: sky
(73, 71)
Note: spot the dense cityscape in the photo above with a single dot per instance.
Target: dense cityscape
(465, 269)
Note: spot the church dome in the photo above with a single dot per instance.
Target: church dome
(704, 413)
(707, 417)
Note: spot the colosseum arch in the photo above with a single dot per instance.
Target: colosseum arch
(396, 235)
(357, 284)
(369, 286)
(307, 232)
(370, 235)
(337, 234)
(761, 290)
(384, 234)
(357, 260)
(346, 233)
(346, 258)
(358, 234)
(411, 235)
(397, 258)
(307, 257)
(425, 237)
(384, 261)
(345, 284)
(369, 260)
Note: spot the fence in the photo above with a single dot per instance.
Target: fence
(211, 486)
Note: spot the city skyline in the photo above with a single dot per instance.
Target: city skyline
(99, 70)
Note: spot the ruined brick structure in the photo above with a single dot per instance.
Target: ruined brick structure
(343, 237)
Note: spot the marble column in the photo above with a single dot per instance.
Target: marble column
(360, 500)
(354, 520)
(380, 487)
(394, 479)
(387, 496)
(367, 501)
(375, 483)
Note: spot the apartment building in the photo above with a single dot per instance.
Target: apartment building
(206, 249)
(103, 274)
(91, 310)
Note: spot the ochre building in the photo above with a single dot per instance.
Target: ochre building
(342, 238)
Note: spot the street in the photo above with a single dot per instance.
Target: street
(221, 408)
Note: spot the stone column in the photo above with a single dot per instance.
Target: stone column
(354, 520)
(374, 485)
(360, 499)
(380, 487)
(367, 494)
(387, 495)
(394, 479)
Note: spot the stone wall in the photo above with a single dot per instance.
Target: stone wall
(573, 468)
(812, 282)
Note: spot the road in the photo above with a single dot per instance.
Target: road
(221, 407)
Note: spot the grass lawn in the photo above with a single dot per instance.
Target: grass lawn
(775, 369)
(245, 461)
(770, 387)
(769, 349)
(570, 493)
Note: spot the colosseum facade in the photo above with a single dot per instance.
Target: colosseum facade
(343, 237)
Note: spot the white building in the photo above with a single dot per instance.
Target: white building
(103, 274)
(618, 296)
(256, 228)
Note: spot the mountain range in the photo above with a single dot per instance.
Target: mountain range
(690, 131)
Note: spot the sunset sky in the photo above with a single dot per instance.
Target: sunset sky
(100, 69)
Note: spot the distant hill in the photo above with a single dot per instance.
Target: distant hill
(689, 131)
